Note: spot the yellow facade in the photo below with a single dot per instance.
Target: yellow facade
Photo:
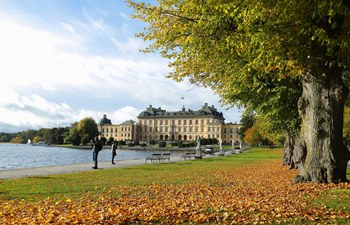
(185, 125)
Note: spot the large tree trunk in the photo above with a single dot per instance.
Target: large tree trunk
(321, 108)
(294, 151)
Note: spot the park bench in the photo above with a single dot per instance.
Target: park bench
(188, 155)
(165, 156)
(160, 157)
(154, 157)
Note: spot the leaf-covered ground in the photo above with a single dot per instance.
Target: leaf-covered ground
(258, 193)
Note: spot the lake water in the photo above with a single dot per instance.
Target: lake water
(14, 156)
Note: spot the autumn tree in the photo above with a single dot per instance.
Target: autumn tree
(286, 56)
(253, 136)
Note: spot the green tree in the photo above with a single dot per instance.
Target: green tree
(247, 121)
(346, 129)
(265, 55)
(74, 138)
(87, 129)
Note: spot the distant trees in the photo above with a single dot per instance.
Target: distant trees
(78, 133)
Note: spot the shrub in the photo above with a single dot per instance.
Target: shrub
(162, 144)
(122, 143)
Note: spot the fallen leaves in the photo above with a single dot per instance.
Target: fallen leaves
(260, 193)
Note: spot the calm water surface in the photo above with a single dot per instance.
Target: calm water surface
(14, 156)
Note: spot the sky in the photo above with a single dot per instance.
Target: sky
(65, 60)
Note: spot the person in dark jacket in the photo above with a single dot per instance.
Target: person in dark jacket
(114, 150)
(96, 148)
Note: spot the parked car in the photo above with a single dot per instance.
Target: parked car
(209, 149)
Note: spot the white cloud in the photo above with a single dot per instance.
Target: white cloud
(36, 62)
(124, 114)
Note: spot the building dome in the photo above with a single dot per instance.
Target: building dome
(105, 120)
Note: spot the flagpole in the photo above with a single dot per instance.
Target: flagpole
(183, 102)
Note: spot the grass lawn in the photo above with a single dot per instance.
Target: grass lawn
(252, 187)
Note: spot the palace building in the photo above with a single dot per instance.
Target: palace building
(160, 125)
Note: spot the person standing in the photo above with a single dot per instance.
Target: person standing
(114, 150)
(96, 148)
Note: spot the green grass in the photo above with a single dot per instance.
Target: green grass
(336, 198)
(94, 182)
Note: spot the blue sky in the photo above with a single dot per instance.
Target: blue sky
(64, 60)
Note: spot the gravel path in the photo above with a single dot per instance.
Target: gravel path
(42, 171)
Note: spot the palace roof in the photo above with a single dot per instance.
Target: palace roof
(205, 111)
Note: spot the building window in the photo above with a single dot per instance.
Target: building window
(202, 129)
(166, 129)
(196, 129)
(185, 122)
(161, 122)
(202, 122)
(190, 123)
(150, 122)
(208, 129)
(185, 129)
(179, 122)
(156, 122)
(190, 130)
(225, 130)
(196, 122)
(179, 129)
(150, 129)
